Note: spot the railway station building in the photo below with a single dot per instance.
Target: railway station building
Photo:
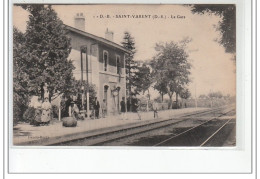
(100, 61)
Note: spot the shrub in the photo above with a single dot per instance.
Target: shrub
(19, 107)
(29, 114)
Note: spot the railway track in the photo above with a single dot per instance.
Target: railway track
(107, 137)
(213, 139)
(194, 137)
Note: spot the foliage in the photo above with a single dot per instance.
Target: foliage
(171, 67)
(55, 111)
(142, 105)
(77, 90)
(133, 105)
(142, 79)
(207, 103)
(227, 26)
(160, 86)
(40, 55)
(185, 93)
(29, 114)
(158, 99)
(203, 96)
(130, 65)
(20, 79)
(215, 95)
(64, 112)
(129, 44)
(46, 49)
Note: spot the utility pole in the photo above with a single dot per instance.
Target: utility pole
(84, 56)
(129, 83)
(87, 109)
(81, 80)
(211, 104)
(125, 83)
(196, 105)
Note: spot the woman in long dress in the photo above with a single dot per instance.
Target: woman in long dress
(46, 111)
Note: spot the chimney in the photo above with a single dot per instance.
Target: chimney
(109, 35)
(80, 21)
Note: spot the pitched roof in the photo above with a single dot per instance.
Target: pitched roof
(99, 39)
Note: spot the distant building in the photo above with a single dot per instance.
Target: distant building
(105, 60)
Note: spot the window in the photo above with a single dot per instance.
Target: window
(105, 60)
(118, 65)
(84, 62)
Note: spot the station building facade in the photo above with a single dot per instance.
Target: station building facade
(99, 61)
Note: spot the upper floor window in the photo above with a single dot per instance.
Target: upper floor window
(84, 59)
(105, 60)
(118, 65)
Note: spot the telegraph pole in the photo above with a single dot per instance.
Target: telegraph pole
(196, 105)
(129, 83)
(84, 56)
(87, 90)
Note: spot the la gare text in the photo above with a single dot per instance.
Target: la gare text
(141, 16)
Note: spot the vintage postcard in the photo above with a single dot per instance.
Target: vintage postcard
(124, 75)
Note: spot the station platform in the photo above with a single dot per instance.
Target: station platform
(25, 134)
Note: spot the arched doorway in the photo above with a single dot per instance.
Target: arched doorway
(115, 99)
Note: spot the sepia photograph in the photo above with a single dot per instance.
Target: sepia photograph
(133, 75)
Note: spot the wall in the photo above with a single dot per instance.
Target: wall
(112, 53)
(111, 78)
(97, 75)
(77, 41)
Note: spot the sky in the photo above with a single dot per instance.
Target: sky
(212, 68)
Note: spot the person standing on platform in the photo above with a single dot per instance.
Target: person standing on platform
(96, 107)
(104, 108)
(123, 110)
(155, 110)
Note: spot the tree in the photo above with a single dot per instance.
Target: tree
(78, 91)
(215, 95)
(171, 67)
(203, 96)
(46, 51)
(227, 25)
(160, 86)
(142, 79)
(185, 93)
(40, 55)
(130, 65)
(20, 79)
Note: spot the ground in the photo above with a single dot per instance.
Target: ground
(26, 134)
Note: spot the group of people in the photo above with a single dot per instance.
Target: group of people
(96, 108)
(40, 108)
(72, 109)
